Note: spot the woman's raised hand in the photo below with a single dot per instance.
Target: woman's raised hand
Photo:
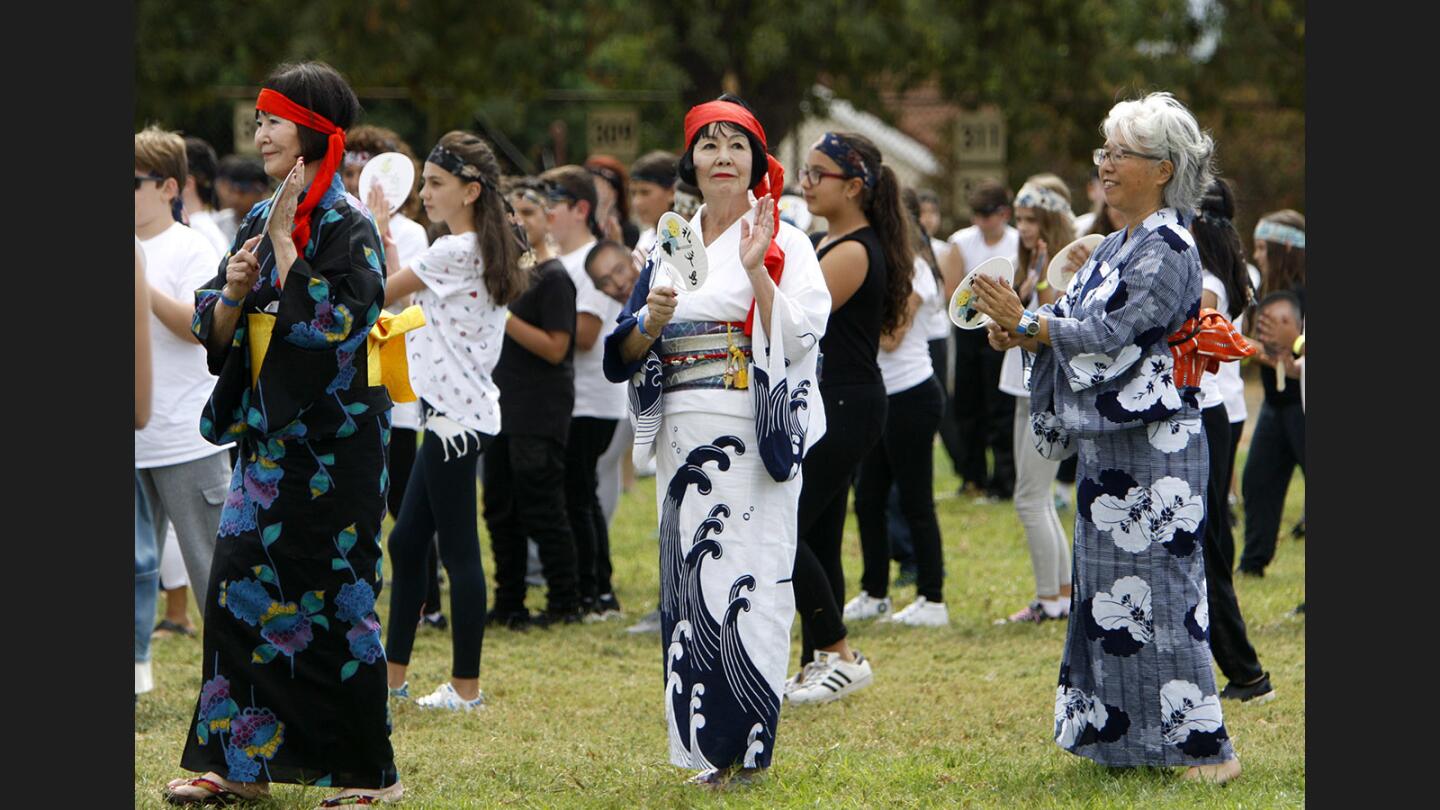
(755, 241)
(997, 300)
(379, 209)
(282, 222)
(660, 306)
(242, 271)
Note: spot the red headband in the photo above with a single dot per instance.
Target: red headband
(276, 103)
(773, 184)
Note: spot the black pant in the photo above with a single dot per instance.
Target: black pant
(402, 461)
(949, 430)
(1229, 642)
(984, 415)
(1276, 448)
(905, 456)
(525, 497)
(440, 499)
(855, 418)
(902, 549)
(1071, 465)
(589, 438)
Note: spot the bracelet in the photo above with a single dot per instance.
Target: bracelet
(1299, 347)
(640, 324)
(1042, 286)
(230, 302)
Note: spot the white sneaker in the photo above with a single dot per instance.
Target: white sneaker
(794, 681)
(649, 623)
(923, 613)
(445, 697)
(833, 678)
(866, 606)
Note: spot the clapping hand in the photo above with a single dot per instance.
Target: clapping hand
(755, 241)
(242, 271)
(997, 300)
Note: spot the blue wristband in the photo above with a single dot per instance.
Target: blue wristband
(230, 302)
(640, 323)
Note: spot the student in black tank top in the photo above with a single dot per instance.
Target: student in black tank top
(844, 182)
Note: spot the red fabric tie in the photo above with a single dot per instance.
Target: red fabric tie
(772, 184)
(1202, 344)
(277, 104)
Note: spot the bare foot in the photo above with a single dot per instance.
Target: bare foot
(193, 790)
(1214, 774)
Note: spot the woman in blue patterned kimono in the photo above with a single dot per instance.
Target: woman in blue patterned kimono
(1136, 684)
(294, 672)
(722, 387)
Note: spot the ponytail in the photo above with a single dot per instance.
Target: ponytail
(499, 249)
(882, 209)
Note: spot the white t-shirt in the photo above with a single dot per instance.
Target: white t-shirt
(177, 262)
(595, 396)
(974, 250)
(909, 365)
(203, 223)
(410, 243)
(1210, 394)
(229, 224)
(1012, 367)
(935, 322)
(451, 357)
(646, 241)
(1232, 388)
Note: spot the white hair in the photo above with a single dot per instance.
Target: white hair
(1158, 124)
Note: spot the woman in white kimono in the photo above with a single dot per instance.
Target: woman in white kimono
(722, 391)
(1116, 377)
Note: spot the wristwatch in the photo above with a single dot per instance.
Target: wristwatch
(1029, 325)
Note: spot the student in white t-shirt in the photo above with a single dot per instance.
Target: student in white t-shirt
(1042, 214)
(463, 282)
(983, 413)
(185, 478)
(199, 194)
(361, 144)
(599, 403)
(1226, 288)
(652, 193)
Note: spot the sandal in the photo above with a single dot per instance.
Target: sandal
(365, 799)
(167, 626)
(214, 792)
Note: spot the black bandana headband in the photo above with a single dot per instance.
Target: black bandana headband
(846, 157)
(453, 163)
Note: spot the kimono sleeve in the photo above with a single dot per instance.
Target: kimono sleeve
(615, 367)
(801, 297)
(207, 296)
(327, 307)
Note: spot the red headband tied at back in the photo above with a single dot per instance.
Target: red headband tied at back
(772, 185)
(276, 103)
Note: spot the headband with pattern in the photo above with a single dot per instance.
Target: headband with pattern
(1034, 196)
(453, 163)
(1269, 230)
(357, 158)
(850, 161)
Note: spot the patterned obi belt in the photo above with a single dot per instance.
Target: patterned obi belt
(704, 354)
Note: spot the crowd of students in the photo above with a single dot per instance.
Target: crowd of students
(550, 330)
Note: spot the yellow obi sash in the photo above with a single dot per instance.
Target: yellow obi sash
(385, 349)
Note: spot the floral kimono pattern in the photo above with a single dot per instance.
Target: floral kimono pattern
(294, 671)
(1136, 684)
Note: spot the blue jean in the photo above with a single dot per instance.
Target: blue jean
(147, 575)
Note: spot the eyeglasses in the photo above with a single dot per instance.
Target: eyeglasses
(1119, 153)
(140, 178)
(813, 175)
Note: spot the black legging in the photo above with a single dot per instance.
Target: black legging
(440, 499)
(905, 456)
(1276, 447)
(1229, 642)
(525, 497)
(402, 461)
(588, 440)
(855, 418)
(984, 415)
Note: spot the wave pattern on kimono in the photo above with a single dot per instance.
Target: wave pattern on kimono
(1136, 685)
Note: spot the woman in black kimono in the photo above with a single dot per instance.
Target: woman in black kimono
(294, 672)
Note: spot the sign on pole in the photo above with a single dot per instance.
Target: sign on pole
(614, 131)
(244, 128)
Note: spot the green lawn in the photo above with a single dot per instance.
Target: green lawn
(960, 716)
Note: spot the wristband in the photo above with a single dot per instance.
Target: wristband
(230, 302)
(640, 323)
(1042, 286)
(1299, 347)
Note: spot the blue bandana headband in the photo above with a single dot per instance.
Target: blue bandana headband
(1279, 233)
(1032, 196)
(846, 157)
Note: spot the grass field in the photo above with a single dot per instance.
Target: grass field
(960, 716)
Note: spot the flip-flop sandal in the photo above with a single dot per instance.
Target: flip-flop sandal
(387, 796)
(168, 626)
(218, 794)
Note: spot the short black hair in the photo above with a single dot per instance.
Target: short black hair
(655, 167)
(758, 167)
(243, 170)
(321, 89)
